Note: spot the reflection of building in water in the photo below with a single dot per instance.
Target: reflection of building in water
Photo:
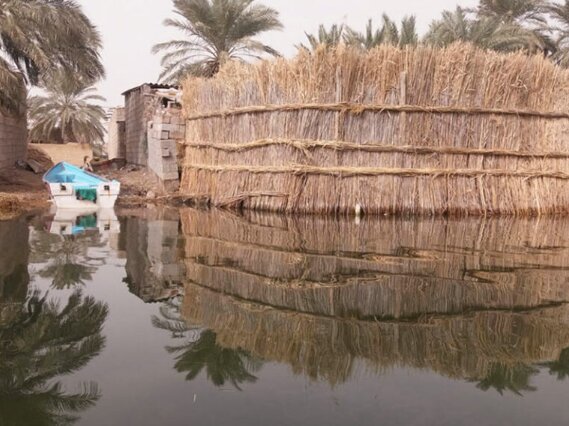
(14, 276)
(153, 266)
(456, 297)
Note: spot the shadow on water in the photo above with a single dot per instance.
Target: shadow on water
(480, 300)
(42, 340)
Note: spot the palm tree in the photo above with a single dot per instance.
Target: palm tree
(513, 378)
(201, 351)
(215, 31)
(69, 264)
(485, 32)
(387, 33)
(67, 106)
(559, 13)
(331, 37)
(509, 11)
(40, 36)
(560, 368)
(40, 342)
(221, 364)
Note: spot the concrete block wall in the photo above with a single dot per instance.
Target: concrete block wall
(165, 130)
(13, 139)
(140, 105)
(117, 134)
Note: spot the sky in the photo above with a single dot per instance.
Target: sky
(131, 27)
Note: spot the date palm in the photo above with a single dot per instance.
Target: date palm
(40, 36)
(328, 37)
(513, 378)
(69, 106)
(513, 10)
(486, 32)
(387, 33)
(41, 342)
(215, 31)
(559, 14)
(221, 364)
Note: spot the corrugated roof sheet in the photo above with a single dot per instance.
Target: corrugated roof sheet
(152, 86)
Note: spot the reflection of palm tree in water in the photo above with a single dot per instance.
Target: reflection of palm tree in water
(69, 263)
(560, 368)
(202, 352)
(40, 342)
(514, 378)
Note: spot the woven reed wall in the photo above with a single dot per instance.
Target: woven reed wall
(418, 131)
(387, 269)
(328, 348)
(436, 293)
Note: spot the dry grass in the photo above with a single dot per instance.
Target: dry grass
(420, 131)
(454, 296)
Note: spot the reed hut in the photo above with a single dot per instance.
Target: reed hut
(389, 268)
(455, 131)
(453, 296)
(335, 349)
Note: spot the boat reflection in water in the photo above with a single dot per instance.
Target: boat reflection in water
(480, 300)
(41, 341)
(65, 241)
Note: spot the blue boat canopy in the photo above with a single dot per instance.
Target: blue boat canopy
(68, 173)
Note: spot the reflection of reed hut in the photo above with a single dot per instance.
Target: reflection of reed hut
(419, 130)
(433, 293)
(327, 348)
(153, 266)
(389, 268)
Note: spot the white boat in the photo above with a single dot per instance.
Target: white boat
(73, 188)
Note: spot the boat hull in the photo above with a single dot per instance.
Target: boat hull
(73, 188)
(65, 197)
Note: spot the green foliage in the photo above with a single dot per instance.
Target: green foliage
(485, 32)
(560, 368)
(215, 31)
(68, 106)
(68, 262)
(40, 342)
(325, 37)
(512, 378)
(222, 365)
(387, 33)
(38, 37)
(202, 352)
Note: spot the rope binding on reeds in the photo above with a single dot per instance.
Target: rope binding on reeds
(351, 172)
(305, 145)
(357, 109)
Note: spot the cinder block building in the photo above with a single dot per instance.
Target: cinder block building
(13, 138)
(141, 103)
(116, 135)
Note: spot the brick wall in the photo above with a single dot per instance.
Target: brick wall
(140, 105)
(117, 134)
(13, 139)
(166, 129)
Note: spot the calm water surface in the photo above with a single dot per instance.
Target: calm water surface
(167, 317)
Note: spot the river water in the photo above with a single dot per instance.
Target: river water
(170, 317)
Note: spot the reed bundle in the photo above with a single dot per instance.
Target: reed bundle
(380, 268)
(328, 348)
(417, 130)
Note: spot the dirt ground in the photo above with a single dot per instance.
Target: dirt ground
(21, 192)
